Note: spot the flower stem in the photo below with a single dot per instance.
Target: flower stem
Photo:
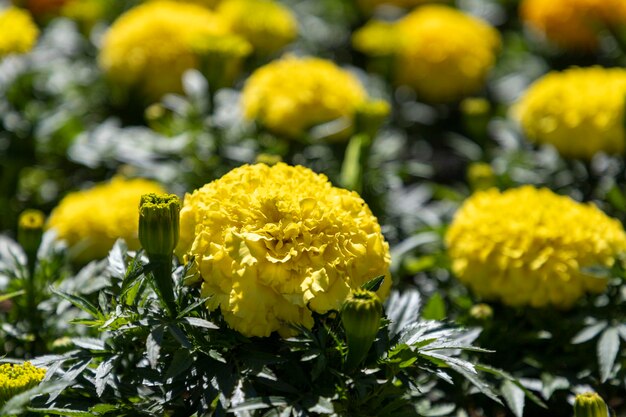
(162, 282)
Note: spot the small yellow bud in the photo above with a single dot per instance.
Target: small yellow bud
(590, 404)
(30, 230)
(481, 311)
(360, 316)
(480, 176)
(268, 159)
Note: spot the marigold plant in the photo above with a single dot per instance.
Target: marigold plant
(15, 378)
(579, 111)
(152, 45)
(91, 220)
(442, 53)
(274, 244)
(292, 94)
(529, 246)
(267, 25)
(18, 32)
(572, 24)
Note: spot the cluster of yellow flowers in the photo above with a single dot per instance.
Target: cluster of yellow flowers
(290, 95)
(90, 221)
(572, 24)
(439, 51)
(528, 246)
(273, 244)
(152, 45)
(579, 111)
(15, 379)
(18, 32)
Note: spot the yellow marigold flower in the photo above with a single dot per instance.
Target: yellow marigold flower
(529, 246)
(272, 244)
(267, 25)
(290, 95)
(579, 111)
(18, 32)
(152, 45)
(572, 24)
(91, 220)
(369, 5)
(15, 379)
(440, 52)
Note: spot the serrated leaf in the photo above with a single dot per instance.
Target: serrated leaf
(588, 332)
(88, 343)
(181, 361)
(66, 412)
(259, 403)
(179, 335)
(103, 374)
(621, 329)
(116, 260)
(373, 284)
(607, 349)
(502, 374)
(79, 302)
(435, 308)
(402, 309)
(153, 346)
(198, 322)
(514, 397)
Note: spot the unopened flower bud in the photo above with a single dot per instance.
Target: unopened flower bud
(370, 116)
(590, 404)
(268, 159)
(159, 224)
(30, 230)
(481, 311)
(360, 316)
(476, 113)
(480, 176)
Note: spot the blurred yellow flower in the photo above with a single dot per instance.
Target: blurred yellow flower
(18, 32)
(267, 25)
(579, 111)
(272, 244)
(439, 51)
(528, 246)
(572, 24)
(291, 95)
(15, 378)
(91, 220)
(152, 45)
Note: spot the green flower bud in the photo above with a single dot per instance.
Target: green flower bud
(360, 316)
(159, 224)
(30, 230)
(590, 404)
(370, 116)
(476, 113)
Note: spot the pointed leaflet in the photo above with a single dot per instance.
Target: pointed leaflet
(608, 346)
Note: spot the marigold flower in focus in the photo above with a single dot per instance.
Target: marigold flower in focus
(529, 246)
(440, 52)
(291, 95)
(15, 378)
(267, 25)
(274, 244)
(579, 111)
(572, 24)
(90, 221)
(42, 9)
(18, 32)
(152, 45)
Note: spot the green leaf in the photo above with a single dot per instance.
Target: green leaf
(179, 335)
(181, 361)
(198, 322)
(116, 259)
(514, 397)
(435, 309)
(153, 346)
(373, 284)
(607, 349)
(62, 412)
(259, 403)
(103, 374)
(589, 332)
(79, 302)
(402, 309)
(10, 295)
(502, 374)
(88, 343)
